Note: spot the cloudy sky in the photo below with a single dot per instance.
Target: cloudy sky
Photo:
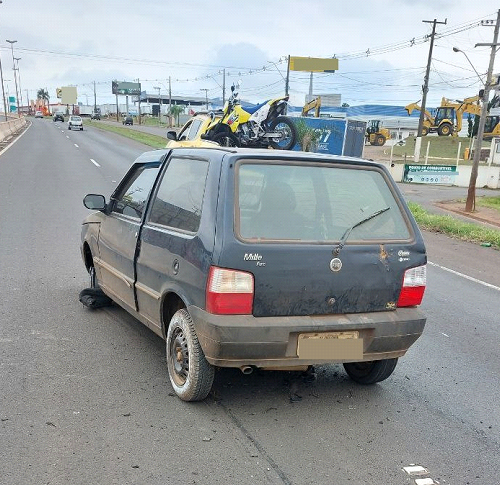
(382, 47)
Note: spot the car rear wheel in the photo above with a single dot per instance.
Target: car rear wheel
(190, 374)
(370, 372)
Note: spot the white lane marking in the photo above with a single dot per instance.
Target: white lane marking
(17, 138)
(76, 146)
(94, 162)
(424, 481)
(445, 335)
(467, 277)
(67, 136)
(415, 470)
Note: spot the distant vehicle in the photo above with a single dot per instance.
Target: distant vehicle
(58, 116)
(128, 120)
(376, 134)
(75, 122)
(96, 115)
(38, 114)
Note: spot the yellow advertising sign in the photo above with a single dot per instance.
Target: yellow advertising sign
(313, 64)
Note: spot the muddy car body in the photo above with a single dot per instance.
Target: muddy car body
(261, 259)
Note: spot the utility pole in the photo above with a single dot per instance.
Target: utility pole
(470, 204)
(170, 102)
(28, 101)
(206, 95)
(19, 77)
(95, 100)
(139, 102)
(223, 87)
(425, 88)
(159, 103)
(287, 82)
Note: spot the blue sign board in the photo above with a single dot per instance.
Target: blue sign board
(333, 136)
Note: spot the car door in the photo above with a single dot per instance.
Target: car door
(172, 254)
(119, 232)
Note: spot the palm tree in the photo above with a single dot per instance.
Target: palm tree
(175, 111)
(43, 94)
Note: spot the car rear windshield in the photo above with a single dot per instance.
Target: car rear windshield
(316, 202)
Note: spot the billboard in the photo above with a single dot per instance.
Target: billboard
(313, 64)
(68, 95)
(118, 87)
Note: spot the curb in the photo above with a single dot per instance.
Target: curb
(468, 215)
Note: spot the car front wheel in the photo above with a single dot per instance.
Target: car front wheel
(370, 372)
(190, 374)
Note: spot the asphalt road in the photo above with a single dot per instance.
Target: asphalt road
(85, 397)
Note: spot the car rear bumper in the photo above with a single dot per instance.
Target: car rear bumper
(243, 340)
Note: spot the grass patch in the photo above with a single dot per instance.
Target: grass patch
(454, 228)
(148, 139)
(442, 147)
(491, 202)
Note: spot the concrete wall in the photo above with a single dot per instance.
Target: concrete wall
(8, 128)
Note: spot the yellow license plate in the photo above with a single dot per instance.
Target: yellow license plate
(330, 346)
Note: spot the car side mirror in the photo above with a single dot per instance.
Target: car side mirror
(171, 135)
(94, 202)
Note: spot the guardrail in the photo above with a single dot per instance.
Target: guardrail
(10, 127)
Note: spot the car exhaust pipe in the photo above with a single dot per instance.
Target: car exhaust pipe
(246, 369)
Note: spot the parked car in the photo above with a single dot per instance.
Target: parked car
(128, 120)
(38, 114)
(58, 117)
(95, 116)
(75, 122)
(191, 132)
(261, 259)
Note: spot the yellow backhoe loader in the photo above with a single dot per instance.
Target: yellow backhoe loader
(448, 119)
(376, 134)
(313, 104)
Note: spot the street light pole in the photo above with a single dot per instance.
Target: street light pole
(3, 88)
(456, 49)
(470, 204)
(12, 42)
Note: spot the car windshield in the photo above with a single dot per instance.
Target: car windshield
(76, 118)
(316, 202)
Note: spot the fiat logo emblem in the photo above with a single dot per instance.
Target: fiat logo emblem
(335, 264)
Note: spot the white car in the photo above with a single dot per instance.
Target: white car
(38, 114)
(75, 122)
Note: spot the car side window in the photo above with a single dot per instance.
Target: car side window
(132, 199)
(179, 199)
(195, 127)
(185, 131)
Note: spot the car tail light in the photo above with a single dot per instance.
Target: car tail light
(229, 292)
(413, 288)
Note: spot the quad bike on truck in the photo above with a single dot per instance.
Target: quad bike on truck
(260, 126)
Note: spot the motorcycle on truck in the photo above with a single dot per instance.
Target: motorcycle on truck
(260, 126)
